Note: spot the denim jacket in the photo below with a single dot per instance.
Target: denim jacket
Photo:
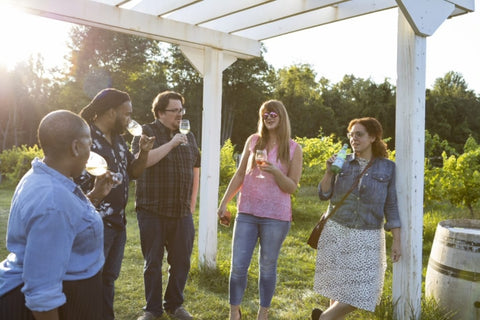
(371, 201)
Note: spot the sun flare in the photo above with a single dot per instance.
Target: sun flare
(23, 35)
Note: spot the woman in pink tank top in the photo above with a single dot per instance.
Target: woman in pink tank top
(264, 204)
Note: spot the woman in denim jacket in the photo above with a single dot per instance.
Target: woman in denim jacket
(351, 262)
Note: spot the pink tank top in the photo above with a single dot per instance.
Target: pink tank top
(263, 197)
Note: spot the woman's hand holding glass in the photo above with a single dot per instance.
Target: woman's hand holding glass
(269, 167)
(260, 159)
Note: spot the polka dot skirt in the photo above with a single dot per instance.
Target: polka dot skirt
(350, 265)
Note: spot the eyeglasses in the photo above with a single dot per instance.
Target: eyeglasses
(179, 111)
(356, 134)
(271, 114)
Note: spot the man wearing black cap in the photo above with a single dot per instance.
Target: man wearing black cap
(108, 115)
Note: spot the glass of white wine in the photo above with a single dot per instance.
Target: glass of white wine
(134, 128)
(184, 128)
(260, 158)
(97, 166)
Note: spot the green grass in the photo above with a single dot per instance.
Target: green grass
(206, 294)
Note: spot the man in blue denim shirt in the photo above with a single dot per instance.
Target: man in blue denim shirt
(55, 236)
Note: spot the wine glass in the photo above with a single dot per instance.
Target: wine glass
(260, 158)
(134, 128)
(184, 128)
(97, 166)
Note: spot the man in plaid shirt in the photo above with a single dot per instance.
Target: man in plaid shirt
(165, 200)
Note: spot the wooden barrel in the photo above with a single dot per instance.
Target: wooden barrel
(453, 273)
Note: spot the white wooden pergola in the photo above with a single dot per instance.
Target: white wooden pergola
(213, 34)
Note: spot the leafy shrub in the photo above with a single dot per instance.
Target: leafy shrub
(433, 189)
(470, 145)
(461, 179)
(434, 147)
(316, 151)
(15, 162)
(227, 162)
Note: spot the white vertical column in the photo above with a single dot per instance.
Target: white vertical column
(211, 125)
(210, 63)
(410, 141)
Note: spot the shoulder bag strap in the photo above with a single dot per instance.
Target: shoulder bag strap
(327, 214)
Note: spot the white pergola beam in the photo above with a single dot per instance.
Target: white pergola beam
(465, 5)
(426, 16)
(316, 18)
(158, 8)
(128, 21)
(213, 9)
(112, 2)
(196, 57)
(269, 12)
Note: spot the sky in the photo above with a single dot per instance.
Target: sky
(364, 46)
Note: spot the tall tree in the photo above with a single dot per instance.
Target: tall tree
(24, 94)
(452, 110)
(297, 88)
(246, 85)
(101, 58)
(355, 98)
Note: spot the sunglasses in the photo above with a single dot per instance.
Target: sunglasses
(356, 134)
(271, 114)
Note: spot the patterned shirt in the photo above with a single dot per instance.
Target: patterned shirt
(118, 157)
(165, 188)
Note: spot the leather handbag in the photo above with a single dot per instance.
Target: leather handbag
(317, 230)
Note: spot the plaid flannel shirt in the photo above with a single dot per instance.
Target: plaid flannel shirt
(165, 188)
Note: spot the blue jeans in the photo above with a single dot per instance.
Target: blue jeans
(157, 234)
(271, 233)
(113, 248)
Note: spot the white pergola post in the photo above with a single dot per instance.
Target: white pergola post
(417, 20)
(410, 139)
(210, 63)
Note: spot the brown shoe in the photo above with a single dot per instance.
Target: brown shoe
(181, 314)
(148, 316)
